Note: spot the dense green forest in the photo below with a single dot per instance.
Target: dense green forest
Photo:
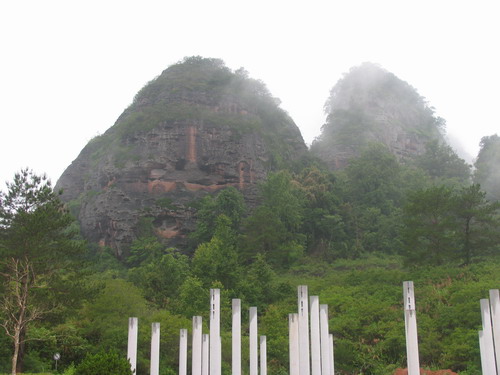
(353, 236)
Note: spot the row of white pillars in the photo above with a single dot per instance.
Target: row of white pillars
(489, 337)
(206, 348)
(206, 354)
(310, 354)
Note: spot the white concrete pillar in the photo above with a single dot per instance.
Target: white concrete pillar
(315, 337)
(154, 368)
(487, 351)
(254, 353)
(196, 345)
(215, 354)
(183, 352)
(413, 361)
(293, 340)
(133, 325)
(236, 337)
(303, 302)
(263, 355)
(332, 361)
(205, 354)
(495, 323)
(325, 339)
(485, 364)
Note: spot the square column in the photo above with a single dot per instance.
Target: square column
(325, 340)
(133, 324)
(263, 355)
(154, 368)
(495, 323)
(254, 354)
(316, 351)
(205, 354)
(293, 339)
(303, 303)
(411, 329)
(236, 337)
(196, 346)
(487, 349)
(183, 352)
(215, 353)
(332, 363)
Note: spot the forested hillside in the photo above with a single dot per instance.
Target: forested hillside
(353, 235)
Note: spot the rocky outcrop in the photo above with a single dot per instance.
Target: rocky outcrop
(194, 130)
(371, 105)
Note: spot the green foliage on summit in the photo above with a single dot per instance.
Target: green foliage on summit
(370, 104)
(200, 90)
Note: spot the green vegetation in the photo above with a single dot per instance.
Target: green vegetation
(40, 258)
(370, 104)
(104, 364)
(353, 236)
(487, 167)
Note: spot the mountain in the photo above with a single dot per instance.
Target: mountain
(372, 105)
(195, 129)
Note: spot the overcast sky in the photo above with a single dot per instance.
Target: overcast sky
(69, 68)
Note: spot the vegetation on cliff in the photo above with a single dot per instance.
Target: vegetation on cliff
(370, 104)
(352, 235)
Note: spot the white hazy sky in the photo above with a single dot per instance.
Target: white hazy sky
(69, 68)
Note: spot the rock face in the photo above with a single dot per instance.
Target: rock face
(371, 105)
(195, 129)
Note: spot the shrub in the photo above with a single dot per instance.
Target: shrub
(104, 364)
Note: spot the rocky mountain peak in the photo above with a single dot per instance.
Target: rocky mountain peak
(195, 129)
(372, 105)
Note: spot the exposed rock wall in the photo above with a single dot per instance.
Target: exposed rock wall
(127, 183)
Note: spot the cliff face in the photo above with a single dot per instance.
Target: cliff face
(194, 130)
(371, 105)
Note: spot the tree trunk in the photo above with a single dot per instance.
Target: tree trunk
(21, 352)
(467, 242)
(16, 352)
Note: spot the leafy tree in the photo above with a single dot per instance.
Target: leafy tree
(373, 195)
(479, 222)
(228, 202)
(443, 225)
(442, 163)
(104, 363)
(374, 178)
(274, 228)
(218, 259)
(39, 249)
(161, 277)
(487, 167)
(323, 222)
(429, 232)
